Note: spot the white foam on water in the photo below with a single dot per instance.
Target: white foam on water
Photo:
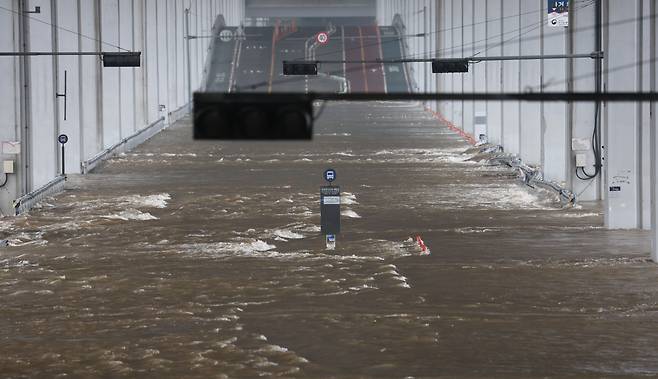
(17, 263)
(27, 239)
(391, 271)
(288, 234)
(363, 287)
(131, 214)
(475, 229)
(349, 213)
(230, 248)
(348, 198)
(579, 215)
(146, 201)
(508, 196)
(178, 155)
(273, 349)
(310, 228)
(335, 135)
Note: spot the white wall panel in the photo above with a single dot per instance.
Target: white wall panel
(623, 120)
(511, 73)
(554, 114)
(494, 69)
(104, 105)
(127, 75)
(532, 21)
(111, 84)
(43, 132)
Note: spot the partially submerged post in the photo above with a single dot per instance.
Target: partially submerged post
(330, 209)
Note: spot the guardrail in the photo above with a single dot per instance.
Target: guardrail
(531, 176)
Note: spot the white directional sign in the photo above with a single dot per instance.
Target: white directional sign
(331, 200)
(322, 38)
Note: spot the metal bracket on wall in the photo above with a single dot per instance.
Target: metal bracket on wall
(65, 92)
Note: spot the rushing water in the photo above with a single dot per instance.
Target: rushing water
(199, 259)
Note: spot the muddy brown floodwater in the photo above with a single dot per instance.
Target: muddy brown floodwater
(189, 259)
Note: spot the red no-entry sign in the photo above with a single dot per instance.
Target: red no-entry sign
(322, 38)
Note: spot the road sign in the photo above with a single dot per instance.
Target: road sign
(330, 210)
(63, 138)
(322, 38)
(226, 35)
(330, 175)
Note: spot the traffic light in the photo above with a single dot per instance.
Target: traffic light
(448, 66)
(122, 59)
(300, 68)
(252, 116)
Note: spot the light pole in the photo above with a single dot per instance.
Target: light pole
(425, 48)
(189, 57)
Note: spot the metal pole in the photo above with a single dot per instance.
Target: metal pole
(45, 53)
(598, 70)
(530, 96)
(654, 146)
(425, 47)
(25, 128)
(63, 162)
(594, 55)
(189, 57)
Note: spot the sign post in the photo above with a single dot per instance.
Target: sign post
(330, 209)
(63, 139)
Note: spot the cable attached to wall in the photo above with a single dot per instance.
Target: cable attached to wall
(597, 148)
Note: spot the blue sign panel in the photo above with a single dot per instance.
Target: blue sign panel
(330, 175)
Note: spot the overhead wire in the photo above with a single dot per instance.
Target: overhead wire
(609, 70)
(517, 32)
(399, 39)
(63, 29)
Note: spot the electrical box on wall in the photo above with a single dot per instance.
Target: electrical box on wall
(8, 167)
(11, 147)
(581, 144)
(581, 160)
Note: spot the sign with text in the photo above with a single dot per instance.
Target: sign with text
(330, 210)
(558, 13)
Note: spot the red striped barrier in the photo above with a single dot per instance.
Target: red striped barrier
(452, 126)
(423, 247)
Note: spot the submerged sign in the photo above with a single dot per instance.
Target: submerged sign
(330, 210)
(558, 13)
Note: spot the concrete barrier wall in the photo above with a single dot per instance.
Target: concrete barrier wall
(542, 133)
(104, 106)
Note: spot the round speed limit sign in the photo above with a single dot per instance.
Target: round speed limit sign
(322, 38)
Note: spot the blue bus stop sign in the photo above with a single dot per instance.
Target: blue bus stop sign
(330, 175)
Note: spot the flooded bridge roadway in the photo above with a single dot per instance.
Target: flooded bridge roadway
(190, 259)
